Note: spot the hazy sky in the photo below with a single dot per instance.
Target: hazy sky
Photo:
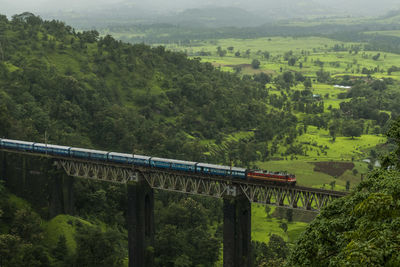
(10, 7)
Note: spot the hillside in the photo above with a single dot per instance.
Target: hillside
(361, 228)
(79, 89)
(312, 106)
(99, 92)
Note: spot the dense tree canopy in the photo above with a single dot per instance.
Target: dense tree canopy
(91, 91)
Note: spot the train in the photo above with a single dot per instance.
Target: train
(281, 178)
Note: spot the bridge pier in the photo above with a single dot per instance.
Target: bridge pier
(140, 223)
(3, 164)
(237, 232)
(61, 194)
(49, 190)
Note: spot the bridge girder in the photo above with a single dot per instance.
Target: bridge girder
(219, 187)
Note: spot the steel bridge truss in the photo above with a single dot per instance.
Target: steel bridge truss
(94, 171)
(197, 185)
(291, 197)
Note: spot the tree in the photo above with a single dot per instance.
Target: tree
(393, 158)
(288, 77)
(355, 230)
(323, 76)
(182, 233)
(262, 78)
(221, 53)
(284, 227)
(352, 129)
(292, 61)
(15, 252)
(272, 254)
(334, 129)
(267, 210)
(255, 63)
(98, 248)
(60, 252)
(307, 83)
(237, 69)
(376, 57)
(299, 77)
(289, 215)
(278, 246)
(26, 225)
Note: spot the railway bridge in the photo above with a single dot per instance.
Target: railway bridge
(237, 195)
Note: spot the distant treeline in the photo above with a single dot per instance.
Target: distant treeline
(374, 42)
(167, 33)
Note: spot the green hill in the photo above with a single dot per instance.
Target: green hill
(92, 91)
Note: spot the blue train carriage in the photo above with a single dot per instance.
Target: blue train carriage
(89, 154)
(213, 169)
(51, 149)
(173, 164)
(16, 144)
(141, 160)
(120, 157)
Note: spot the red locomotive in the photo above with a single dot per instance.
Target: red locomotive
(274, 177)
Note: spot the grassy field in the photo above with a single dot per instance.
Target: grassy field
(308, 50)
(318, 143)
(274, 45)
(262, 226)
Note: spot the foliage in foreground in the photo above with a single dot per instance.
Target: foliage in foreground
(362, 229)
(22, 241)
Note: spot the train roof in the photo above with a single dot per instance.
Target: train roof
(121, 154)
(88, 150)
(141, 157)
(214, 166)
(175, 161)
(51, 146)
(17, 141)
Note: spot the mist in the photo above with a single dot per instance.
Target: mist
(249, 12)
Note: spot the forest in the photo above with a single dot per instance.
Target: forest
(80, 88)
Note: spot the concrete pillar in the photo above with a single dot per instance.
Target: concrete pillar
(237, 232)
(3, 164)
(61, 194)
(140, 224)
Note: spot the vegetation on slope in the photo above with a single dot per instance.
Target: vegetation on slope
(360, 229)
(85, 90)
(98, 92)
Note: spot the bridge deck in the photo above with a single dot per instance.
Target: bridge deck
(195, 183)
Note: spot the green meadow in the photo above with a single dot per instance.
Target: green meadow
(309, 51)
(263, 226)
(318, 144)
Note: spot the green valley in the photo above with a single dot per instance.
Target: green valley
(298, 96)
